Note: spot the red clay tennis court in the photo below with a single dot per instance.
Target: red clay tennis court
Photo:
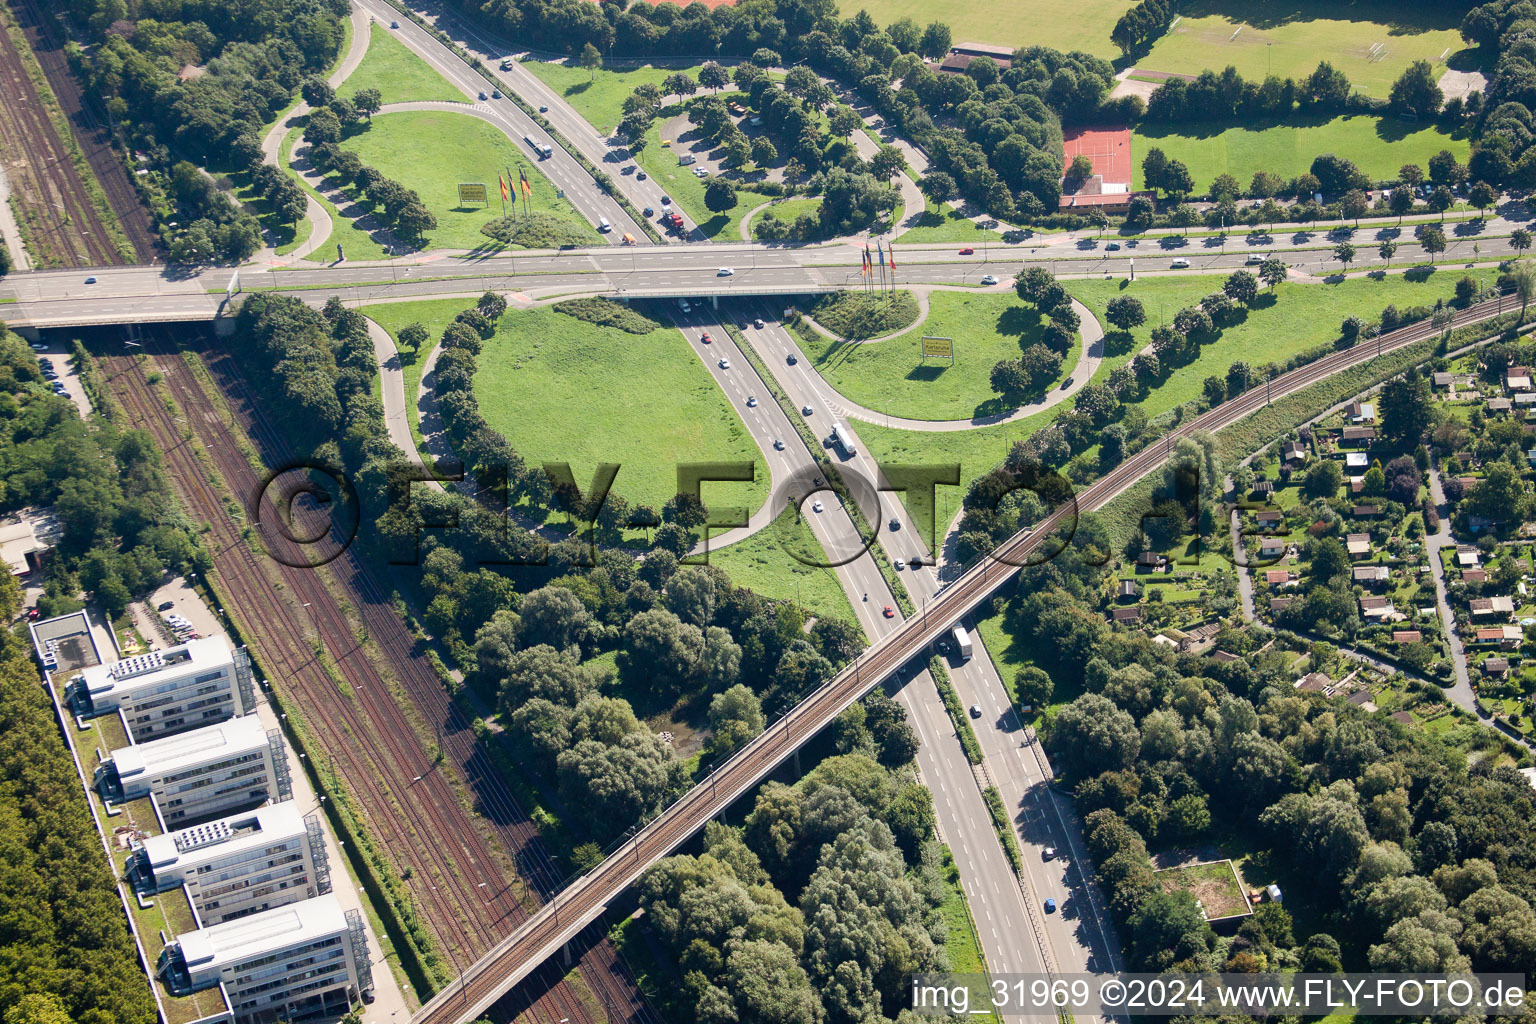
(1108, 148)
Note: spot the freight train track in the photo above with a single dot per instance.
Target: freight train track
(88, 118)
(349, 704)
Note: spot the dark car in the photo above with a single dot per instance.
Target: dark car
(484, 96)
(649, 212)
(543, 109)
(166, 606)
(394, 24)
(895, 523)
(792, 360)
(641, 176)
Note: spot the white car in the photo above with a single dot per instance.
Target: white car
(1179, 264)
(725, 272)
(900, 565)
(725, 364)
(751, 401)
(815, 506)
(778, 444)
(699, 172)
(805, 410)
(1253, 258)
(989, 279)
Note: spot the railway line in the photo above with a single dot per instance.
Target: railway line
(525, 949)
(84, 112)
(349, 706)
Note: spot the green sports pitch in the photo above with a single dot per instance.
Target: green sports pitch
(1061, 24)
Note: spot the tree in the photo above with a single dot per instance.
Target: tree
(1241, 286)
(591, 60)
(679, 83)
(367, 102)
(1153, 167)
(322, 127)
(1272, 271)
(554, 616)
(1440, 200)
(736, 716)
(935, 41)
(1265, 185)
(1177, 181)
(1354, 205)
(887, 163)
(1431, 238)
(1166, 929)
(1400, 201)
(719, 195)
(1445, 170)
(1520, 240)
(1524, 278)
(1125, 312)
(763, 151)
(1386, 250)
(1344, 252)
(1416, 91)
(1323, 478)
(713, 76)
(938, 187)
(317, 92)
(1412, 175)
(1091, 735)
(1081, 167)
(1499, 495)
(1483, 195)
(1225, 186)
(1034, 686)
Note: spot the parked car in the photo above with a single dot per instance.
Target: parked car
(38, 346)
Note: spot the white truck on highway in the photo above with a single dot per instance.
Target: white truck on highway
(962, 643)
(541, 148)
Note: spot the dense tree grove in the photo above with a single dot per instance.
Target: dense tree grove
(122, 529)
(254, 56)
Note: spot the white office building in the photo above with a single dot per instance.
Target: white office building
(243, 864)
(201, 774)
(169, 691)
(307, 959)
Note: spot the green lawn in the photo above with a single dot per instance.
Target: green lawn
(1060, 24)
(399, 75)
(772, 562)
(433, 151)
(435, 315)
(1378, 145)
(564, 390)
(1300, 316)
(962, 946)
(789, 209)
(599, 98)
(944, 225)
(687, 190)
(357, 242)
(1289, 40)
(892, 376)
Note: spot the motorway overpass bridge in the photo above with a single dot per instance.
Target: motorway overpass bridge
(583, 900)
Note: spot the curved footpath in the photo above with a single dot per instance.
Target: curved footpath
(1087, 365)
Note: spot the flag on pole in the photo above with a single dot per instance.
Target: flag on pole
(527, 185)
(892, 253)
(868, 266)
(503, 183)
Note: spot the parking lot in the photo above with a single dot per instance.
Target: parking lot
(154, 616)
(64, 366)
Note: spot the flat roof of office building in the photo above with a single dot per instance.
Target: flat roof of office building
(239, 940)
(190, 749)
(273, 823)
(147, 670)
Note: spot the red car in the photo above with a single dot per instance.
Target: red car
(967, 252)
(705, 338)
(889, 612)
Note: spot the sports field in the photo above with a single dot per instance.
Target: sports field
(564, 390)
(1061, 24)
(433, 151)
(598, 97)
(1289, 39)
(1378, 145)
(398, 74)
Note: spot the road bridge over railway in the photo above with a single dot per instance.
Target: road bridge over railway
(583, 900)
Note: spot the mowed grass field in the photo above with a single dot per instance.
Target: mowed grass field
(433, 314)
(1378, 145)
(1302, 316)
(1060, 24)
(944, 224)
(433, 151)
(564, 390)
(398, 74)
(599, 98)
(1289, 39)
(767, 563)
(892, 376)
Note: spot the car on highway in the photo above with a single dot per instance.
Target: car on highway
(543, 109)
(38, 346)
(792, 359)
(725, 364)
(90, 280)
(627, 170)
(758, 323)
(705, 339)
(648, 211)
(900, 565)
(1253, 258)
(394, 24)
(895, 523)
(751, 401)
(483, 95)
(805, 410)
(778, 444)
(666, 200)
(1050, 904)
(1179, 264)
(641, 175)
(725, 272)
(1049, 853)
(989, 279)
(967, 251)
(815, 506)
(1112, 247)
(975, 710)
(888, 612)
(495, 94)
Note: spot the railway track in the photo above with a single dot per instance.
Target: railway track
(584, 898)
(408, 801)
(86, 115)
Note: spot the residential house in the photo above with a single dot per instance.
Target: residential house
(1225, 657)
(1406, 636)
(1376, 609)
(1361, 436)
(1402, 717)
(1499, 405)
(1484, 607)
(1475, 575)
(1268, 519)
(1357, 460)
(1444, 380)
(1468, 558)
(1362, 699)
(1361, 412)
(1507, 637)
(1271, 547)
(1279, 578)
(1294, 451)
(1497, 667)
(1370, 575)
(1127, 590)
(1150, 561)
(1264, 488)
(1279, 604)
(1132, 614)
(1314, 682)
(1358, 545)
(1365, 511)
(1518, 378)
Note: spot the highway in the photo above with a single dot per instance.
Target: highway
(585, 898)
